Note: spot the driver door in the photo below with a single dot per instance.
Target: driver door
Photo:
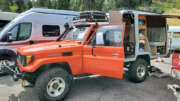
(104, 54)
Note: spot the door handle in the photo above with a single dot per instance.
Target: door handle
(93, 50)
(115, 54)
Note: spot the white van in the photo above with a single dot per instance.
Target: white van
(6, 17)
(33, 26)
(174, 34)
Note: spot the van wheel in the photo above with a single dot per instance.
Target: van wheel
(138, 71)
(53, 85)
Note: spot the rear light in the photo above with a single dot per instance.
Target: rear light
(175, 61)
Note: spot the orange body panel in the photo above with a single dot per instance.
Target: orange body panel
(106, 61)
(103, 62)
(55, 56)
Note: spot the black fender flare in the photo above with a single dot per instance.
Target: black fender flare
(7, 53)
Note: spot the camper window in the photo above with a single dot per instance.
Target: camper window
(176, 35)
(156, 28)
(51, 30)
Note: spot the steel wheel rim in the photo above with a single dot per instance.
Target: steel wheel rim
(56, 87)
(141, 71)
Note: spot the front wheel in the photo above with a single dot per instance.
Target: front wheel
(138, 71)
(53, 85)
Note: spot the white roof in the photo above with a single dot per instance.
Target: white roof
(174, 29)
(137, 12)
(7, 15)
(53, 11)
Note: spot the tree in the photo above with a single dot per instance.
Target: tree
(29, 4)
(50, 4)
(42, 3)
(63, 4)
(21, 6)
(4, 5)
(76, 5)
(89, 4)
(99, 4)
(109, 5)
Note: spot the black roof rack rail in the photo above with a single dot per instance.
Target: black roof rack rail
(91, 16)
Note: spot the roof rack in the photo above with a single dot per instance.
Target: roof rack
(91, 16)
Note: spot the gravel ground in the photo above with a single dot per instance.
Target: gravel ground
(100, 89)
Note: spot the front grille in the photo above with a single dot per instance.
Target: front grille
(21, 59)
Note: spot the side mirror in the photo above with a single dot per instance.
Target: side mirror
(9, 37)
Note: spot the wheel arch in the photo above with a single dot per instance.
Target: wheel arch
(32, 77)
(63, 65)
(145, 57)
(7, 53)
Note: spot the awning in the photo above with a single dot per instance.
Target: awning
(166, 16)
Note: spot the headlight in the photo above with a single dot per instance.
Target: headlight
(24, 60)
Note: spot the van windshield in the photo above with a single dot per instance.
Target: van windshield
(5, 29)
(77, 34)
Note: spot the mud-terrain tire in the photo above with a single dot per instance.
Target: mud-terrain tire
(53, 85)
(138, 71)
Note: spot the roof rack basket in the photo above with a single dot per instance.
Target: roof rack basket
(92, 16)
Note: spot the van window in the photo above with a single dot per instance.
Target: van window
(25, 31)
(176, 35)
(14, 32)
(51, 30)
(21, 32)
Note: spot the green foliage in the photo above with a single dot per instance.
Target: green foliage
(178, 4)
(63, 4)
(14, 8)
(81, 5)
(29, 5)
(21, 5)
(110, 4)
(76, 5)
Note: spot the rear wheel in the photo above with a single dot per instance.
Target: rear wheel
(53, 85)
(138, 71)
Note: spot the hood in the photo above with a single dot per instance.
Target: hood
(45, 47)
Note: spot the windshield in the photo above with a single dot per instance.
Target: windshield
(5, 29)
(77, 34)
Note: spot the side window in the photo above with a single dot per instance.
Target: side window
(110, 35)
(25, 31)
(14, 32)
(176, 35)
(51, 30)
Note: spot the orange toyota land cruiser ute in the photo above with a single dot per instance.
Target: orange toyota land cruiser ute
(99, 48)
